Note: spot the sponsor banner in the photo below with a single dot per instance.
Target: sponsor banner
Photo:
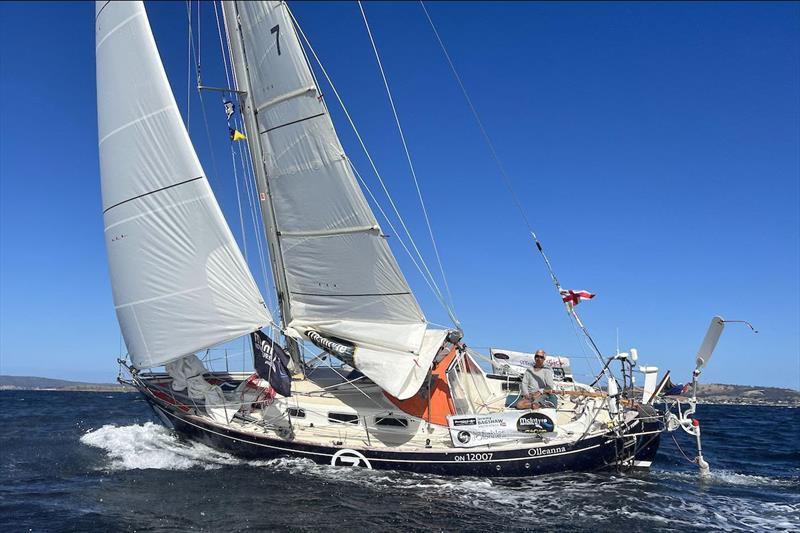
(468, 431)
(510, 362)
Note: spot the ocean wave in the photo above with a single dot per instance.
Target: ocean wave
(581, 496)
(637, 500)
(151, 446)
(727, 477)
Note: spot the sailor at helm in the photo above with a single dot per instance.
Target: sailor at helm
(537, 385)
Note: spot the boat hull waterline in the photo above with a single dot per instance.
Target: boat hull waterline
(634, 449)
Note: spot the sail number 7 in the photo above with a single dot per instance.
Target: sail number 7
(277, 31)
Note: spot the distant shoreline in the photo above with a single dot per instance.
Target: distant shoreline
(126, 389)
(707, 394)
(99, 388)
(37, 383)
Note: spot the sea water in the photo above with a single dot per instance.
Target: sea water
(89, 461)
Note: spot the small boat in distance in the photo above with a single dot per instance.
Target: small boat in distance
(404, 394)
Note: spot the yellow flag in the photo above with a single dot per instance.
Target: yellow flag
(236, 135)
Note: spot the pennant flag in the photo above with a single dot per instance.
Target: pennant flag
(229, 108)
(236, 135)
(573, 298)
(271, 363)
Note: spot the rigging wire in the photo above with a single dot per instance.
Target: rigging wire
(189, 65)
(248, 178)
(433, 284)
(245, 169)
(391, 226)
(408, 157)
(197, 56)
(507, 182)
(222, 47)
(239, 201)
(215, 175)
(250, 171)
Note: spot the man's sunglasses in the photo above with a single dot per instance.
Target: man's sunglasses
(538, 357)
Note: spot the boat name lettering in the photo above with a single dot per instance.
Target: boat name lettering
(536, 452)
(473, 457)
(464, 422)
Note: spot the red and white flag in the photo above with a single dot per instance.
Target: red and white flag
(571, 297)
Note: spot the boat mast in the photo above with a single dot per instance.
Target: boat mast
(230, 11)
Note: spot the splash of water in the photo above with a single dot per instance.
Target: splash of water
(143, 446)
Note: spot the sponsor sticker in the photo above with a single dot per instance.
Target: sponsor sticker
(467, 431)
(535, 423)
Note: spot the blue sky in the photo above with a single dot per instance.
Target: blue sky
(656, 148)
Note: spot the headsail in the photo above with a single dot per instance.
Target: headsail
(340, 275)
(179, 280)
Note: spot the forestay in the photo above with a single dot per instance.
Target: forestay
(179, 280)
(341, 277)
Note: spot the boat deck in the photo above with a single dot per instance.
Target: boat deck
(326, 409)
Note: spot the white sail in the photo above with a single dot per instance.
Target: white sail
(179, 280)
(341, 277)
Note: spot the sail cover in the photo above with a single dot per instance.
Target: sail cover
(341, 276)
(179, 281)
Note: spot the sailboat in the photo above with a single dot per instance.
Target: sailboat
(406, 395)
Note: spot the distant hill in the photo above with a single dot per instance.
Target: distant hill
(36, 383)
(746, 394)
(707, 393)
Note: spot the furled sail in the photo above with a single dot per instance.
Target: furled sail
(179, 280)
(341, 278)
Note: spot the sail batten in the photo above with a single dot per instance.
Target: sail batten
(179, 281)
(341, 278)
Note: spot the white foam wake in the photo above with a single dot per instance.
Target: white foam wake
(727, 477)
(152, 446)
(585, 496)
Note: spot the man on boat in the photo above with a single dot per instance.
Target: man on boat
(537, 385)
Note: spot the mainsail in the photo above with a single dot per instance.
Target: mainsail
(339, 274)
(179, 280)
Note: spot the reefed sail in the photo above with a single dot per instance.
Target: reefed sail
(179, 280)
(341, 277)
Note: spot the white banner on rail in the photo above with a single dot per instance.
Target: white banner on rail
(469, 431)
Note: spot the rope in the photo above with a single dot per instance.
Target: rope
(437, 291)
(408, 157)
(693, 461)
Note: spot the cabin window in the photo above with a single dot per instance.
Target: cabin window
(391, 421)
(296, 412)
(347, 418)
